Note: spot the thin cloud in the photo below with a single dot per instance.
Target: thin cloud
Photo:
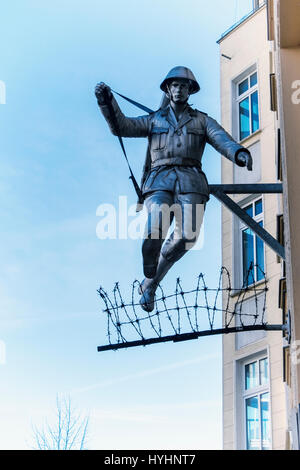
(145, 373)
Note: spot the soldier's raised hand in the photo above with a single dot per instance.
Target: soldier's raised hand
(102, 92)
(244, 159)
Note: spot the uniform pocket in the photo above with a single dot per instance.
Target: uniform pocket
(195, 136)
(159, 138)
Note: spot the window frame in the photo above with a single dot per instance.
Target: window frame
(239, 98)
(256, 391)
(241, 227)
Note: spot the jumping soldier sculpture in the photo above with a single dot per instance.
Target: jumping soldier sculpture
(173, 177)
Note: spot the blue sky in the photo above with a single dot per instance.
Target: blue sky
(58, 163)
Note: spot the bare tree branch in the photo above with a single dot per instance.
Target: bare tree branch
(69, 432)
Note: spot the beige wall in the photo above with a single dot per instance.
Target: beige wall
(247, 45)
(290, 62)
(286, 22)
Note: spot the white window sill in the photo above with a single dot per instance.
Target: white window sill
(249, 137)
(250, 287)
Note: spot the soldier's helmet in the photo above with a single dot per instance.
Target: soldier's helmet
(181, 72)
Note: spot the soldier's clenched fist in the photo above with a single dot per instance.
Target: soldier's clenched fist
(103, 93)
(244, 159)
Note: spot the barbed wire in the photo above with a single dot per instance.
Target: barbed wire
(190, 311)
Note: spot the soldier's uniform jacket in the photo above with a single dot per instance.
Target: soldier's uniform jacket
(175, 147)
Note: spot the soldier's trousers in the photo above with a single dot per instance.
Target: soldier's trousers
(164, 207)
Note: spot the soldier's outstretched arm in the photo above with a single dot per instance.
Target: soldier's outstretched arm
(126, 126)
(226, 145)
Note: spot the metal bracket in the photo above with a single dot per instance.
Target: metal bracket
(287, 328)
(188, 336)
(220, 191)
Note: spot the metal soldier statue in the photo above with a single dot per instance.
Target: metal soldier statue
(173, 176)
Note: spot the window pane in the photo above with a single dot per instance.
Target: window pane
(258, 207)
(248, 256)
(260, 257)
(253, 79)
(244, 116)
(251, 376)
(249, 210)
(252, 424)
(265, 421)
(263, 371)
(254, 112)
(243, 87)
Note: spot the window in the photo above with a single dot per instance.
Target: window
(279, 159)
(273, 92)
(252, 246)
(247, 105)
(252, 406)
(287, 365)
(256, 398)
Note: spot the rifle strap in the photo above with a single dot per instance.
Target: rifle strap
(144, 108)
(115, 124)
(135, 103)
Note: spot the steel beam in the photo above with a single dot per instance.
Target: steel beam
(250, 222)
(188, 336)
(261, 188)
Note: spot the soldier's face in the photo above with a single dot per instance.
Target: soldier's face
(179, 91)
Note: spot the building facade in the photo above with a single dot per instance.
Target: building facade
(255, 381)
(284, 34)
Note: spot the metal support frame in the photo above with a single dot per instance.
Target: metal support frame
(188, 336)
(220, 191)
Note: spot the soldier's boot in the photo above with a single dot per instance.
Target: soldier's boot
(148, 287)
(150, 250)
(147, 299)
